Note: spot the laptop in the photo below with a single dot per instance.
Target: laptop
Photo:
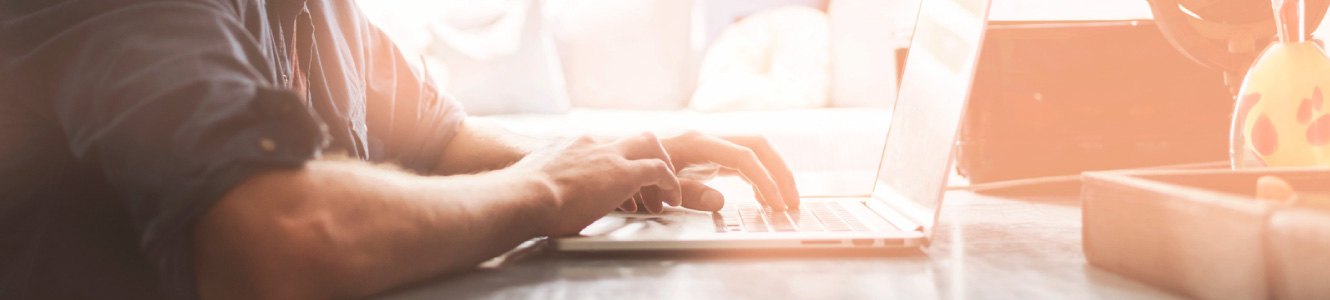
(911, 177)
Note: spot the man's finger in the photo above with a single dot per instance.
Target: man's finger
(643, 146)
(774, 163)
(699, 196)
(651, 199)
(629, 205)
(756, 194)
(657, 173)
(703, 172)
(748, 164)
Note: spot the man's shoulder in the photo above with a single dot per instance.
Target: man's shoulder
(29, 23)
(15, 8)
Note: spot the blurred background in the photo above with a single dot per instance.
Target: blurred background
(1063, 85)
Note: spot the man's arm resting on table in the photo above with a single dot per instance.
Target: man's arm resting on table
(343, 229)
(332, 217)
(340, 229)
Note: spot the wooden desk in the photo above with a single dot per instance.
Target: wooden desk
(986, 247)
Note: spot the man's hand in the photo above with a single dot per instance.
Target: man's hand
(750, 157)
(588, 178)
(479, 147)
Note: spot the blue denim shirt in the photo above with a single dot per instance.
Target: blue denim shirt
(123, 121)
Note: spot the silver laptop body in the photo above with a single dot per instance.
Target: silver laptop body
(911, 177)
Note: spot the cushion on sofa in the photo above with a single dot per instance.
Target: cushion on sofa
(774, 59)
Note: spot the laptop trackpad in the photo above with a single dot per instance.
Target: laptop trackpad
(671, 223)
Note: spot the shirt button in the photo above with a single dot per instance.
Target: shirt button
(267, 144)
(286, 79)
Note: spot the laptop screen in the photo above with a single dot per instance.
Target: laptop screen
(936, 82)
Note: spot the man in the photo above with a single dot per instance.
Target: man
(281, 149)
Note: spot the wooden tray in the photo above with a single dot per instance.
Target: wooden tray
(1203, 234)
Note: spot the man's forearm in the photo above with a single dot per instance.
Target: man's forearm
(482, 146)
(345, 229)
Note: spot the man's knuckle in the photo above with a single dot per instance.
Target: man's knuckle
(661, 166)
(607, 157)
(748, 153)
(618, 161)
(650, 137)
(761, 141)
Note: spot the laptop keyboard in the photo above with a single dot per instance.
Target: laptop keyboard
(814, 217)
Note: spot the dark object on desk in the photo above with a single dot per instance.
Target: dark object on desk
(1202, 233)
(1059, 98)
(1225, 35)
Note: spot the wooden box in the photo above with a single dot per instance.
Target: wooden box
(1203, 234)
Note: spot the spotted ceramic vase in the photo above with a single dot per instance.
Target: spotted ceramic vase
(1282, 118)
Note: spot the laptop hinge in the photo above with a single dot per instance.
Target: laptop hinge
(895, 218)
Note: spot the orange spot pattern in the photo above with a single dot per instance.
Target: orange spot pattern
(1264, 138)
(1319, 132)
(1305, 111)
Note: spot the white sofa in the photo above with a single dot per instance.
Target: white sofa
(629, 65)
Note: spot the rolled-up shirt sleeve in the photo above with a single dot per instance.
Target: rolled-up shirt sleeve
(165, 98)
(407, 112)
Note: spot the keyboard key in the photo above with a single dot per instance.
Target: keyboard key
(812, 217)
(806, 222)
(728, 217)
(779, 221)
(753, 223)
(829, 219)
(845, 214)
